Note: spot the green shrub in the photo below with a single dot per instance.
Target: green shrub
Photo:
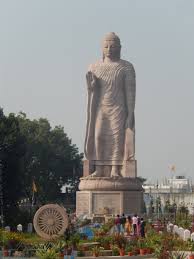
(45, 252)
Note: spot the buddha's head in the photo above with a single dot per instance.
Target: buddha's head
(111, 46)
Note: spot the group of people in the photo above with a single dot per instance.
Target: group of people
(130, 225)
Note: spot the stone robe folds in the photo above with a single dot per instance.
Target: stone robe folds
(110, 113)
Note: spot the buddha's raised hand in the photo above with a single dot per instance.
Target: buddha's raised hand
(91, 80)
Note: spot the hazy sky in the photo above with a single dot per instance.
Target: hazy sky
(47, 45)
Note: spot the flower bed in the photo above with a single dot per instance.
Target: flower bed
(102, 245)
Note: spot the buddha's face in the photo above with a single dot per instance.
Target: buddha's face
(111, 49)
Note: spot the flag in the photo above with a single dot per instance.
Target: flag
(34, 188)
(34, 191)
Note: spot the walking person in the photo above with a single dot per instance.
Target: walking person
(134, 224)
(138, 225)
(142, 228)
(128, 226)
(123, 221)
(118, 224)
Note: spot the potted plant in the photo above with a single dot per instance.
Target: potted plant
(5, 251)
(122, 251)
(115, 250)
(60, 247)
(5, 248)
(142, 247)
(95, 251)
(149, 245)
(136, 250)
(177, 254)
(47, 253)
(162, 250)
(121, 242)
(105, 242)
(129, 250)
(134, 244)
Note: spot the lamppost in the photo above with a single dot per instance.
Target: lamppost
(175, 210)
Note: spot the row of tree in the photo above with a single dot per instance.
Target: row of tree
(34, 155)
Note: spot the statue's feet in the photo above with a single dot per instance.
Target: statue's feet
(115, 172)
(95, 174)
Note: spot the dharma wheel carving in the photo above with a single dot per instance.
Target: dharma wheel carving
(50, 221)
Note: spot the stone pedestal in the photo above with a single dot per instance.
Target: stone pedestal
(105, 196)
(92, 203)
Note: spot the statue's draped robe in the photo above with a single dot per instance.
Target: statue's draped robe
(109, 105)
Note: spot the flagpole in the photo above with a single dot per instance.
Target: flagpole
(32, 204)
(172, 169)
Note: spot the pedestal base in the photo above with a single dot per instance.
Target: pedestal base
(92, 203)
(110, 184)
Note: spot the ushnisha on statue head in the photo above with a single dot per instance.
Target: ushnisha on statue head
(111, 47)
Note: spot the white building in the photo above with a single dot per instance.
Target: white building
(177, 189)
(177, 184)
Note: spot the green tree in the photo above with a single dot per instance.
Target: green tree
(33, 151)
(51, 160)
(12, 149)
